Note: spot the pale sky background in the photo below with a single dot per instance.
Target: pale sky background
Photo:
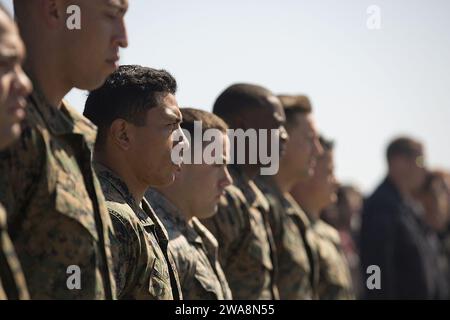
(366, 86)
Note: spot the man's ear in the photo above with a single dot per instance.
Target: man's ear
(53, 12)
(120, 133)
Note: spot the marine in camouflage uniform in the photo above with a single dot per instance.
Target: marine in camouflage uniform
(296, 247)
(195, 251)
(56, 210)
(246, 246)
(335, 282)
(143, 266)
(12, 280)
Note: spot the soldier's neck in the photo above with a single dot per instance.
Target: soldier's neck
(312, 211)
(48, 79)
(285, 181)
(249, 171)
(177, 195)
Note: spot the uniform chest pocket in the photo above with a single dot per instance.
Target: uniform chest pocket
(159, 282)
(72, 200)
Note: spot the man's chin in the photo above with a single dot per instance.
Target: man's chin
(92, 83)
(206, 214)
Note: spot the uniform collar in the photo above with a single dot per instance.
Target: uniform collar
(120, 186)
(64, 120)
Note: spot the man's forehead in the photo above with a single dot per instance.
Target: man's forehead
(11, 46)
(123, 4)
(170, 106)
(120, 5)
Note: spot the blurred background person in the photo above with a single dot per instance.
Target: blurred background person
(314, 195)
(394, 235)
(434, 196)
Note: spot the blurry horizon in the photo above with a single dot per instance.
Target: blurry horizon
(366, 86)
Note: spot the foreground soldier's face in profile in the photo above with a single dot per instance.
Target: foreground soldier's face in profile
(14, 84)
(93, 49)
(152, 144)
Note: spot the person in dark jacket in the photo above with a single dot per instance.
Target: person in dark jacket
(394, 236)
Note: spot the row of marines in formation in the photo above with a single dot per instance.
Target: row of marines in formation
(100, 191)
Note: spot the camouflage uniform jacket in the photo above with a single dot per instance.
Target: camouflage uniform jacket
(56, 210)
(335, 282)
(12, 280)
(195, 252)
(246, 246)
(295, 242)
(143, 267)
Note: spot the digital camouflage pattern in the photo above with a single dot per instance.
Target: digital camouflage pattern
(195, 251)
(12, 280)
(56, 210)
(143, 267)
(335, 282)
(246, 246)
(295, 244)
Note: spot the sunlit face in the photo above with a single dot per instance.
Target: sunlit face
(323, 183)
(151, 144)
(436, 203)
(92, 52)
(271, 117)
(302, 148)
(14, 84)
(206, 183)
(414, 170)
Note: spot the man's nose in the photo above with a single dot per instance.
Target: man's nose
(22, 84)
(121, 37)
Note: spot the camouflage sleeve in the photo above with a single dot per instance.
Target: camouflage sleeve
(228, 225)
(20, 166)
(124, 253)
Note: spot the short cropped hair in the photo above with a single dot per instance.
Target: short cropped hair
(128, 93)
(209, 120)
(294, 105)
(238, 99)
(404, 146)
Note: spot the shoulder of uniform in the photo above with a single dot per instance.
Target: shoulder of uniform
(82, 124)
(206, 234)
(234, 193)
(121, 211)
(327, 231)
